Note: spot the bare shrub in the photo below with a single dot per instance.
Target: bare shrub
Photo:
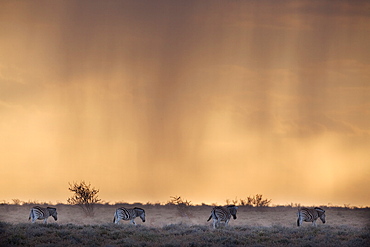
(293, 205)
(232, 202)
(33, 202)
(259, 202)
(183, 206)
(84, 197)
(255, 201)
(17, 201)
(347, 206)
(247, 202)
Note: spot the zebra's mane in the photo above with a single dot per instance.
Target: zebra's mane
(136, 208)
(320, 211)
(232, 207)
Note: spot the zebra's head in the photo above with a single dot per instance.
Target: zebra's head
(141, 213)
(321, 213)
(53, 213)
(233, 209)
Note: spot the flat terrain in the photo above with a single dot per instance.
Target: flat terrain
(171, 225)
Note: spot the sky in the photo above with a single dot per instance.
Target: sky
(207, 100)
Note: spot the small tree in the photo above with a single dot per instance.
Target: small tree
(17, 202)
(259, 202)
(255, 201)
(232, 202)
(183, 206)
(84, 196)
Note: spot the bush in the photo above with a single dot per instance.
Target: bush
(255, 201)
(17, 201)
(183, 206)
(84, 196)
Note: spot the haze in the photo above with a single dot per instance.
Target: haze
(208, 100)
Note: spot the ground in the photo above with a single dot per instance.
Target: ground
(172, 225)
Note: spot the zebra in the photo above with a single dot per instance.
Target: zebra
(129, 214)
(219, 214)
(39, 213)
(310, 215)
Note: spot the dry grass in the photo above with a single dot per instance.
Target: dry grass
(274, 226)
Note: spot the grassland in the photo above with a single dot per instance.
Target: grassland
(164, 226)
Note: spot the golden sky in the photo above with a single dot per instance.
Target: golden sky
(208, 100)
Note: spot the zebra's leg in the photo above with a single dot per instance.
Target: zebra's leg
(227, 223)
(33, 218)
(218, 222)
(314, 223)
(299, 221)
(133, 222)
(45, 220)
(214, 223)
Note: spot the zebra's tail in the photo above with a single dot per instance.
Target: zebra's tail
(299, 217)
(210, 217)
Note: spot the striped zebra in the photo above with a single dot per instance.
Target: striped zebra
(310, 215)
(39, 213)
(219, 214)
(129, 214)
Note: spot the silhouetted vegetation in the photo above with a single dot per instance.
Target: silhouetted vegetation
(255, 201)
(84, 196)
(17, 201)
(183, 206)
(251, 201)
